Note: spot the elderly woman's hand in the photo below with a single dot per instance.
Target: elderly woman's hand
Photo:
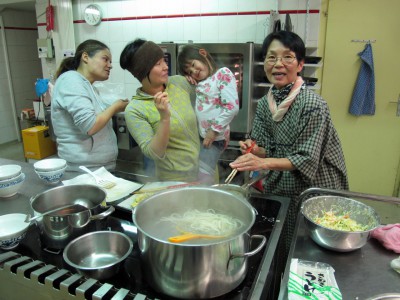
(255, 149)
(121, 104)
(162, 104)
(248, 162)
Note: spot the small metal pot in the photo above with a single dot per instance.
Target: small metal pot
(56, 231)
(201, 269)
(99, 254)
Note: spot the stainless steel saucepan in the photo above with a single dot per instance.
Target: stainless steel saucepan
(56, 230)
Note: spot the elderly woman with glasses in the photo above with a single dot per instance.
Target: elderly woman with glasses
(296, 142)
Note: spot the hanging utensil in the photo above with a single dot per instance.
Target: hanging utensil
(288, 23)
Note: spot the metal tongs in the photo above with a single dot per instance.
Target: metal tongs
(234, 171)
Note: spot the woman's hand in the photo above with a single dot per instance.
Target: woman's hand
(209, 138)
(162, 104)
(256, 150)
(191, 79)
(248, 162)
(120, 105)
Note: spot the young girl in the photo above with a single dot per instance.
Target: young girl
(217, 103)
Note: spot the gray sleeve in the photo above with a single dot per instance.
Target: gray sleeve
(78, 99)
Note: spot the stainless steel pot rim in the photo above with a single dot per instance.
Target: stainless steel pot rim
(120, 259)
(210, 243)
(327, 228)
(33, 198)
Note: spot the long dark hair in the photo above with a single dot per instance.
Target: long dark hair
(289, 39)
(192, 52)
(91, 47)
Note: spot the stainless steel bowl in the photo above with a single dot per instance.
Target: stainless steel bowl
(99, 254)
(342, 241)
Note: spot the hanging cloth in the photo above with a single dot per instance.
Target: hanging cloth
(363, 100)
(279, 111)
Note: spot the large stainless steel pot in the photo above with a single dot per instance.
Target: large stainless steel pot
(194, 270)
(56, 230)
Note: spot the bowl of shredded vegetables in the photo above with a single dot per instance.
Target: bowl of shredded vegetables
(339, 223)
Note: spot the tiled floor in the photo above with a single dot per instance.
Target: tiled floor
(12, 150)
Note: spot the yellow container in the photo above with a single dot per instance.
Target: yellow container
(38, 143)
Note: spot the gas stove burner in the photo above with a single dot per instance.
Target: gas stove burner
(45, 275)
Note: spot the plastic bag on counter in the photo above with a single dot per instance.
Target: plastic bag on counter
(312, 280)
(110, 92)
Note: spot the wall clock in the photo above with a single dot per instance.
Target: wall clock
(92, 14)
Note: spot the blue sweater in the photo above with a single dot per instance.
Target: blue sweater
(74, 107)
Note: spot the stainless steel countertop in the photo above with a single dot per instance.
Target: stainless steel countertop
(360, 274)
(33, 185)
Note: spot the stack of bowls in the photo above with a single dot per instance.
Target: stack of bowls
(12, 230)
(50, 170)
(11, 180)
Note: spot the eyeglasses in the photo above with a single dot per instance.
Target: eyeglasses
(286, 60)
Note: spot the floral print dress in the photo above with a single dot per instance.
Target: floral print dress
(217, 103)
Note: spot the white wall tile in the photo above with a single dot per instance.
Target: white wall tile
(117, 74)
(209, 29)
(175, 29)
(247, 30)
(174, 7)
(209, 6)
(247, 5)
(192, 29)
(129, 30)
(102, 31)
(261, 28)
(129, 9)
(115, 31)
(116, 49)
(227, 28)
(227, 5)
(192, 7)
(144, 29)
(159, 30)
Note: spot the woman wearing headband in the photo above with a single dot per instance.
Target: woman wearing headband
(160, 116)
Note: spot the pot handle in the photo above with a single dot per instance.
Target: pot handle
(104, 214)
(255, 251)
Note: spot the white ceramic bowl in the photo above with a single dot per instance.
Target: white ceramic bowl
(11, 187)
(50, 164)
(52, 177)
(9, 171)
(12, 230)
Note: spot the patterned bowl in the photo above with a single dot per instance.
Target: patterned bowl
(10, 187)
(9, 171)
(50, 164)
(52, 177)
(12, 230)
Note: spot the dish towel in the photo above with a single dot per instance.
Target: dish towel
(389, 236)
(363, 100)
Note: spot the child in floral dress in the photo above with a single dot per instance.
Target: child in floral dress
(217, 103)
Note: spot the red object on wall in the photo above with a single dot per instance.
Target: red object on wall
(49, 17)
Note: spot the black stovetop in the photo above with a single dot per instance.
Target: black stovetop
(131, 276)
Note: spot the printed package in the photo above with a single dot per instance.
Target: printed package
(312, 280)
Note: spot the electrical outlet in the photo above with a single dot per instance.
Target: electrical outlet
(68, 53)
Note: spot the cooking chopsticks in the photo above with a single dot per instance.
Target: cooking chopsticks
(234, 171)
(176, 186)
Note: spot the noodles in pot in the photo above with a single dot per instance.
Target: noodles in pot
(204, 222)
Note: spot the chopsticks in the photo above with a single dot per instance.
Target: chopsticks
(234, 171)
(176, 186)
